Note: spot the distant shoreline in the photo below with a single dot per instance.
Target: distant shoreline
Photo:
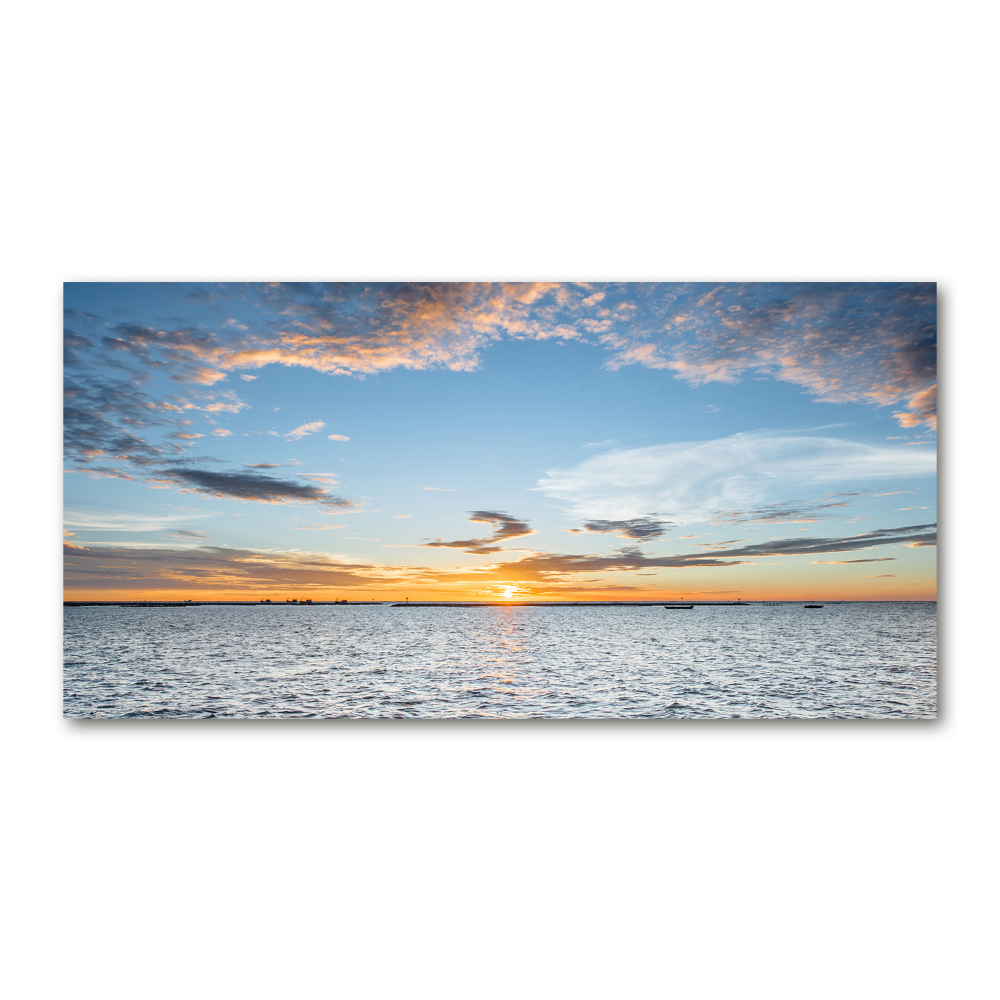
(463, 604)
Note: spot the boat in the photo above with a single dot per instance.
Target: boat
(812, 605)
(678, 607)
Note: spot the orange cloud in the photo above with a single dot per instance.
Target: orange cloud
(303, 429)
(921, 409)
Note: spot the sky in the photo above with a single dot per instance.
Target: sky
(500, 441)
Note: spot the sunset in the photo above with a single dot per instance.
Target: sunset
(516, 526)
(500, 442)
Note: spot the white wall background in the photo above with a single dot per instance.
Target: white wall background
(524, 140)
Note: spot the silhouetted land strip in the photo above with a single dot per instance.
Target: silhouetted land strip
(399, 604)
(201, 604)
(566, 604)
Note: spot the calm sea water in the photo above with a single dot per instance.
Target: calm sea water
(871, 660)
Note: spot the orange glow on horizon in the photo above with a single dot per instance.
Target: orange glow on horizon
(788, 591)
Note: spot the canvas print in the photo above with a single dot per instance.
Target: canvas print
(500, 500)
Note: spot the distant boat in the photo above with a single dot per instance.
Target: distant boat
(678, 607)
(812, 605)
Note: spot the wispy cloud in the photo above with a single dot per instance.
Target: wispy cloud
(912, 535)
(848, 562)
(784, 512)
(555, 566)
(102, 519)
(727, 478)
(338, 437)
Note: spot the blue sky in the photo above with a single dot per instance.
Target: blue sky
(580, 440)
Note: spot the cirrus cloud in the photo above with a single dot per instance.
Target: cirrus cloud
(730, 478)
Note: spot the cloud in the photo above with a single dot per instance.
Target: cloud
(253, 486)
(222, 432)
(73, 344)
(355, 329)
(303, 429)
(102, 417)
(782, 512)
(922, 409)
(730, 478)
(154, 567)
(437, 489)
(112, 419)
(338, 437)
(554, 566)
(210, 568)
(184, 534)
(104, 519)
(848, 562)
(842, 342)
(641, 529)
(229, 404)
(271, 465)
(881, 576)
(913, 535)
(201, 375)
(504, 527)
(862, 342)
(326, 478)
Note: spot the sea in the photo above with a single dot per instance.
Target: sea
(848, 660)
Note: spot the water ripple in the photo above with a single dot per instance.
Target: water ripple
(373, 661)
